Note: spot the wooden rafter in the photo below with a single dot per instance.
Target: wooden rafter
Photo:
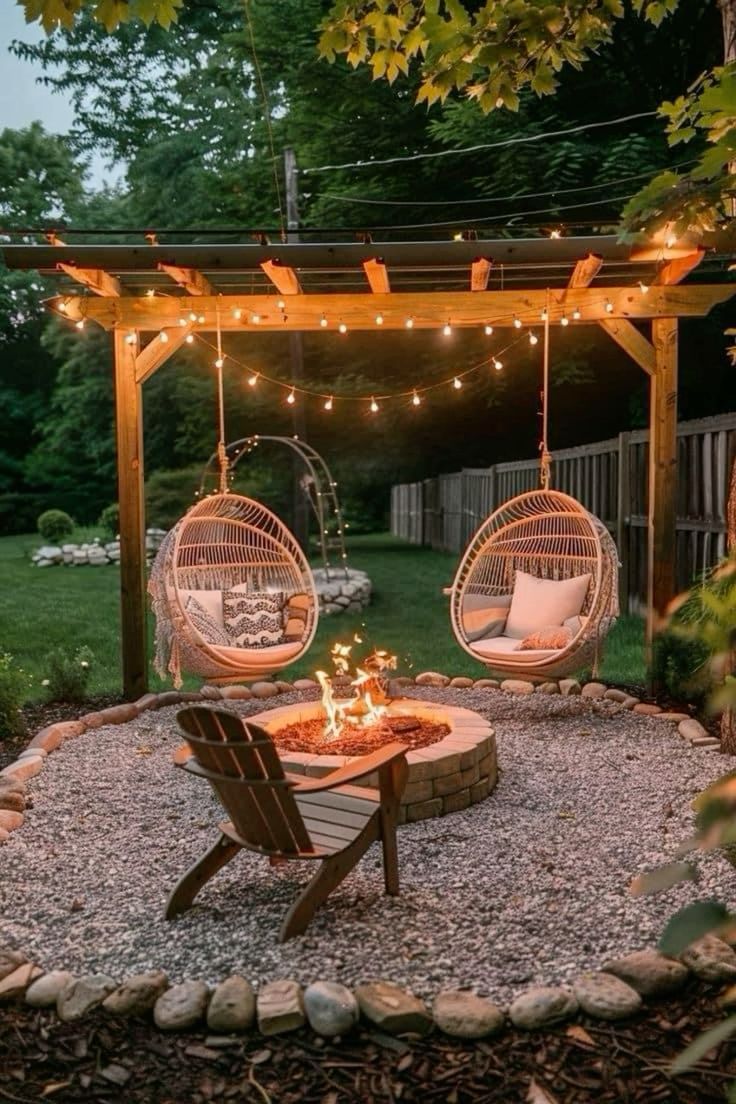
(189, 278)
(282, 277)
(377, 276)
(428, 310)
(480, 270)
(585, 271)
(157, 352)
(676, 270)
(96, 279)
(631, 340)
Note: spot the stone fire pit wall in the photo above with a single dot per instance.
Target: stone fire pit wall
(452, 774)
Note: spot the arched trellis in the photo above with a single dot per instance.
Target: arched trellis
(318, 485)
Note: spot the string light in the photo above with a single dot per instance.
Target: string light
(517, 323)
(497, 364)
(447, 329)
(554, 234)
(255, 319)
(150, 293)
(219, 362)
(609, 306)
(201, 319)
(644, 287)
(328, 403)
(457, 383)
(163, 337)
(415, 399)
(533, 339)
(488, 329)
(544, 315)
(80, 324)
(576, 313)
(182, 321)
(379, 319)
(253, 380)
(131, 339)
(564, 321)
(192, 317)
(62, 306)
(280, 304)
(323, 322)
(189, 339)
(409, 323)
(342, 327)
(291, 397)
(374, 406)
(237, 313)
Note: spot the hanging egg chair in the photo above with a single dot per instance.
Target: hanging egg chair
(232, 592)
(536, 591)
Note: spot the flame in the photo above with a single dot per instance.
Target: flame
(369, 702)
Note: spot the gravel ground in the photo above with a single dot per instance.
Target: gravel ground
(528, 887)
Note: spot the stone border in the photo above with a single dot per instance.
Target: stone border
(615, 992)
(449, 775)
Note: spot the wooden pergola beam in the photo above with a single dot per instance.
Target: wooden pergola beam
(377, 276)
(283, 278)
(428, 310)
(189, 278)
(480, 270)
(662, 498)
(96, 279)
(673, 272)
(156, 352)
(585, 271)
(631, 341)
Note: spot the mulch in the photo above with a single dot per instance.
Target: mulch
(102, 1059)
(310, 736)
(40, 714)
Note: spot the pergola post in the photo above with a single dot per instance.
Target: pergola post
(129, 437)
(662, 510)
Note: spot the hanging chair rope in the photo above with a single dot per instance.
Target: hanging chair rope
(222, 459)
(545, 459)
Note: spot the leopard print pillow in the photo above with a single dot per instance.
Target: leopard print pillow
(254, 620)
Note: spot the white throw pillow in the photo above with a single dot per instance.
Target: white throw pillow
(540, 603)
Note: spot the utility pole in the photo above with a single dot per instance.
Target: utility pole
(296, 357)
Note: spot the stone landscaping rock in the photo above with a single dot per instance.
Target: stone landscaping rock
(181, 1006)
(460, 682)
(486, 684)
(27, 767)
(650, 973)
(593, 690)
(606, 997)
(4, 835)
(280, 1007)
(236, 693)
(548, 688)
(392, 1009)
(10, 820)
(691, 729)
(331, 1008)
(706, 742)
(542, 1006)
(466, 1016)
(647, 710)
(630, 701)
(305, 684)
(12, 799)
(612, 694)
(711, 959)
(211, 693)
(264, 690)
(83, 994)
(673, 718)
(232, 1006)
(10, 961)
(145, 702)
(517, 686)
(120, 714)
(570, 688)
(283, 687)
(44, 991)
(15, 983)
(137, 995)
(432, 678)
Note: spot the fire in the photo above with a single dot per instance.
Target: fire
(369, 700)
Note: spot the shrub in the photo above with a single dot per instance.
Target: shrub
(54, 525)
(67, 676)
(14, 686)
(169, 494)
(110, 519)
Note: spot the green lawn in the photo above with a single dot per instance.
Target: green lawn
(41, 608)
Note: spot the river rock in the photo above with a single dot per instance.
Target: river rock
(542, 1006)
(466, 1016)
(548, 688)
(305, 684)
(691, 729)
(392, 1009)
(711, 959)
(570, 688)
(460, 682)
(280, 1007)
(593, 690)
(12, 799)
(181, 1006)
(606, 997)
(486, 684)
(236, 693)
(647, 710)
(232, 1006)
(331, 1008)
(137, 995)
(517, 686)
(44, 991)
(264, 690)
(650, 973)
(432, 678)
(10, 960)
(10, 820)
(612, 694)
(15, 984)
(82, 994)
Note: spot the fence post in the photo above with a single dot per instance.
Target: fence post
(492, 489)
(623, 513)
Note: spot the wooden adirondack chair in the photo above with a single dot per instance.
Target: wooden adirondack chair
(288, 816)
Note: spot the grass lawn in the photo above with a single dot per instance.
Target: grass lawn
(42, 608)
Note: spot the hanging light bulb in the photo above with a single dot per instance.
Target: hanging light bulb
(447, 329)
(237, 313)
(323, 322)
(182, 321)
(554, 234)
(517, 323)
(201, 319)
(291, 397)
(131, 339)
(192, 317)
(189, 339)
(328, 403)
(533, 339)
(576, 313)
(415, 399)
(457, 383)
(62, 306)
(609, 306)
(150, 293)
(544, 315)
(409, 323)
(497, 364)
(342, 327)
(379, 319)
(253, 380)
(219, 362)
(644, 288)
(255, 319)
(564, 321)
(488, 329)
(80, 324)
(374, 406)
(163, 337)
(280, 304)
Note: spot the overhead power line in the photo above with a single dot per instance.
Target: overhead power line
(484, 146)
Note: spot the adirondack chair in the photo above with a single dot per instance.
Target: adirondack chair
(288, 816)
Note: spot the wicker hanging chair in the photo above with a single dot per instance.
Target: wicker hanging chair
(229, 545)
(549, 535)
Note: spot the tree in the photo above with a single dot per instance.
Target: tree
(55, 14)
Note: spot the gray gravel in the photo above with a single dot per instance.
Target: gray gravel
(527, 887)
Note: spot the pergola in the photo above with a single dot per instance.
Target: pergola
(298, 286)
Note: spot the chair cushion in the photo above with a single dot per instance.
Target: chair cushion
(506, 647)
(253, 620)
(539, 603)
(260, 658)
(209, 627)
(482, 624)
(553, 637)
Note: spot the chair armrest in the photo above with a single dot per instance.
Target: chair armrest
(447, 591)
(367, 764)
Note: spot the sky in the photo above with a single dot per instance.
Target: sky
(22, 99)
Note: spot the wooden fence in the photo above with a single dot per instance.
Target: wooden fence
(610, 479)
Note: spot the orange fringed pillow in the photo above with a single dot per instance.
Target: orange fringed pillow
(550, 639)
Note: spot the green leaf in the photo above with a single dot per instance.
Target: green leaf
(705, 1042)
(691, 923)
(665, 877)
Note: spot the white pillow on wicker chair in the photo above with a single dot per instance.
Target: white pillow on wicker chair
(542, 603)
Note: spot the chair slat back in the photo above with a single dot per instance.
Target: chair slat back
(251, 784)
